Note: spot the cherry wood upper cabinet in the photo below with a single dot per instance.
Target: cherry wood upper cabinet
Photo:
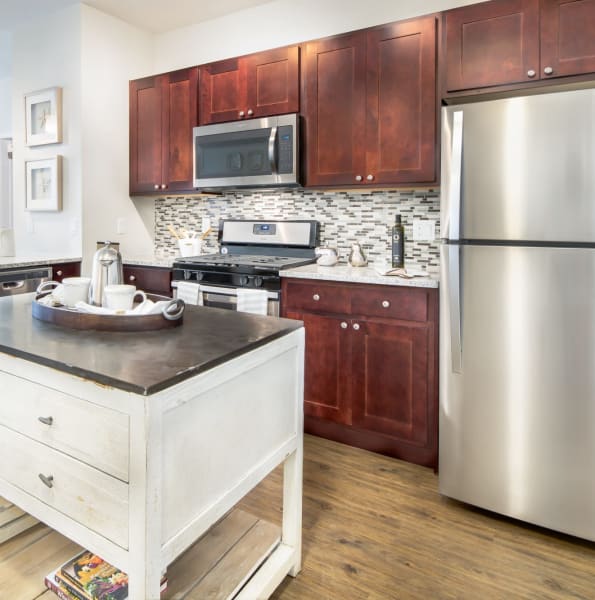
(567, 37)
(257, 85)
(508, 42)
(163, 111)
(370, 106)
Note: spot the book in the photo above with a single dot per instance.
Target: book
(52, 585)
(87, 576)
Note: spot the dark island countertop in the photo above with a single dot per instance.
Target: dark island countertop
(140, 362)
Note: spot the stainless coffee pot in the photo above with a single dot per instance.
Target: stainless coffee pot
(107, 270)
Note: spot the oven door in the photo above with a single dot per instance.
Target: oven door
(224, 297)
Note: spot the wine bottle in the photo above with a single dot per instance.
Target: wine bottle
(398, 243)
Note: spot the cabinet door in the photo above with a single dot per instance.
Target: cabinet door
(392, 383)
(60, 271)
(272, 82)
(222, 91)
(491, 43)
(153, 280)
(327, 378)
(335, 105)
(146, 135)
(180, 91)
(567, 37)
(401, 101)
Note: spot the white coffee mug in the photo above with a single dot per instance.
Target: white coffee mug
(121, 296)
(75, 289)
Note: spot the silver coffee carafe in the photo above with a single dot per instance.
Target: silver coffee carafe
(107, 270)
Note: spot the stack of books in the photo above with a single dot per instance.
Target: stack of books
(86, 576)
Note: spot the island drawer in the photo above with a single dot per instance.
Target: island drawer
(390, 302)
(316, 297)
(93, 434)
(84, 494)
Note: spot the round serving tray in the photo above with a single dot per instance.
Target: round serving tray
(68, 317)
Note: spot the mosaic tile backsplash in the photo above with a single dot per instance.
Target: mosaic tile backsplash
(345, 217)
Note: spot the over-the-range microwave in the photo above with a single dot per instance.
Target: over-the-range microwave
(246, 154)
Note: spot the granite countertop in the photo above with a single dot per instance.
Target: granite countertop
(140, 362)
(150, 261)
(348, 274)
(9, 262)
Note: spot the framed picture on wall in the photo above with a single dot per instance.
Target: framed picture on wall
(43, 117)
(44, 184)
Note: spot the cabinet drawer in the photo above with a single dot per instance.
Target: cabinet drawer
(84, 494)
(316, 297)
(93, 434)
(155, 280)
(408, 304)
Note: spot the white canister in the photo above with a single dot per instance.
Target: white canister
(190, 246)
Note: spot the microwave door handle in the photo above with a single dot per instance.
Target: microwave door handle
(272, 139)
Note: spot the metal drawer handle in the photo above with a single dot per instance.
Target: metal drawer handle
(132, 278)
(47, 479)
(343, 325)
(46, 420)
(356, 326)
(316, 297)
(385, 304)
(59, 273)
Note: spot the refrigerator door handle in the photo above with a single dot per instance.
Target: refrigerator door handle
(454, 191)
(454, 303)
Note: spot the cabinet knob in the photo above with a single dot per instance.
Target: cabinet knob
(316, 297)
(59, 272)
(370, 177)
(548, 70)
(343, 325)
(47, 479)
(250, 112)
(531, 73)
(156, 186)
(163, 186)
(242, 113)
(46, 420)
(385, 304)
(132, 278)
(356, 326)
(358, 177)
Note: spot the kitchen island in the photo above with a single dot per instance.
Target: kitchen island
(134, 444)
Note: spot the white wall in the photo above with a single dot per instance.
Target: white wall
(5, 107)
(112, 53)
(46, 53)
(281, 23)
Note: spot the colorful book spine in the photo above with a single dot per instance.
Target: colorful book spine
(53, 586)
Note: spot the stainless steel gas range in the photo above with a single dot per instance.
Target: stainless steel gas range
(251, 256)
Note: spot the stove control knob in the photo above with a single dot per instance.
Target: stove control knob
(187, 275)
(244, 280)
(258, 282)
(199, 276)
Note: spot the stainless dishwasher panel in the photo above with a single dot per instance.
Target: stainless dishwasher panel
(23, 281)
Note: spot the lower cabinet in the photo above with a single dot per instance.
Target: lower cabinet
(60, 271)
(153, 280)
(371, 372)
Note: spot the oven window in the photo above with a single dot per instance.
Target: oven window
(234, 154)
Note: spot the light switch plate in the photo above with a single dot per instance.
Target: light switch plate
(121, 225)
(424, 230)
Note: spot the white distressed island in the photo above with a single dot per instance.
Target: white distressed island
(134, 444)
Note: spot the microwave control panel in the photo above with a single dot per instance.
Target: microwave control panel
(285, 149)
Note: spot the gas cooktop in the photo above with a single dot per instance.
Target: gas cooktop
(255, 261)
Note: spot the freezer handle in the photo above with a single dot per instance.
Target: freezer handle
(456, 165)
(454, 303)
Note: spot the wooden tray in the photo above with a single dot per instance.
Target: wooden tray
(67, 317)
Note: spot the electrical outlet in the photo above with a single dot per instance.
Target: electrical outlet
(206, 224)
(121, 225)
(424, 231)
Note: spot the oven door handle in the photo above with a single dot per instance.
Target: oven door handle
(272, 139)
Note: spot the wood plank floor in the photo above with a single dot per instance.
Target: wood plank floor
(376, 528)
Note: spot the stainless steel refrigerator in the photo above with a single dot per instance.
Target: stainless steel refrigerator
(517, 322)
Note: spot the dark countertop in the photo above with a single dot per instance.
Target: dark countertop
(140, 362)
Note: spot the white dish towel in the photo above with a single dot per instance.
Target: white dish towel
(252, 301)
(189, 292)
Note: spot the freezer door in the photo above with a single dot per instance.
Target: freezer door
(526, 168)
(517, 408)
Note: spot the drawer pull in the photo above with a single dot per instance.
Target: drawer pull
(316, 297)
(46, 420)
(132, 278)
(385, 304)
(47, 479)
(59, 272)
(343, 325)
(356, 326)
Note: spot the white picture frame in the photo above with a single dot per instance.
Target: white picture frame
(44, 184)
(43, 116)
